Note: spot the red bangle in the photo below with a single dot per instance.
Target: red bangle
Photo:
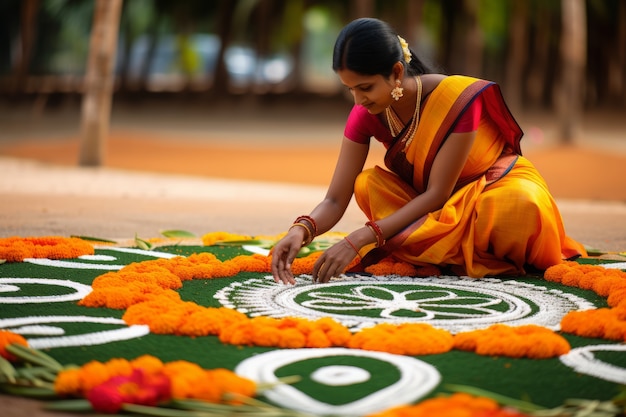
(353, 246)
(310, 220)
(380, 238)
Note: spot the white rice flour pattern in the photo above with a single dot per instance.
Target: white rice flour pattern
(451, 303)
(45, 332)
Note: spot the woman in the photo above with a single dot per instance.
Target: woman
(457, 191)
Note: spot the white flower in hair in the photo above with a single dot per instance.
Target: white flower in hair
(405, 50)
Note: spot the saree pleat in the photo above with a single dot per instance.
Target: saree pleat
(495, 224)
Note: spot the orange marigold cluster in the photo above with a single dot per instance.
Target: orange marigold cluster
(603, 281)
(7, 338)
(528, 341)
(16, 249)
(286, 333)
(602, 323)
(607, 323)
(390, 266)
(188, 380)
(403, 339)
(145, 281)
(456, 405)
(174, 316)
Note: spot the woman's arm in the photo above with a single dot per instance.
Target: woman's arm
(445, 172)
(327, 213)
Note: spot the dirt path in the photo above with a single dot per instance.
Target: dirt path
(571, 172)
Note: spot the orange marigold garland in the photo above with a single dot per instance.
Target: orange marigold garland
(286, 333)
(611, 283)
(403, 339)
(528, 341)
(16, 249)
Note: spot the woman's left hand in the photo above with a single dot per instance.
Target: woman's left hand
(333, 261)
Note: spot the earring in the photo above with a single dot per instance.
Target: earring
(398, 91)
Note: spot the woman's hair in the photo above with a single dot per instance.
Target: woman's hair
(371, 47)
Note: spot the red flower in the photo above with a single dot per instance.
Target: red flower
(138, 388)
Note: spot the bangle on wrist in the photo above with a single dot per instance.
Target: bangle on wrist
(353, 246)
(378, 233)
(307, 237)
(311, 222)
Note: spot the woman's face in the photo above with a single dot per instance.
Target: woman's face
(370, 91)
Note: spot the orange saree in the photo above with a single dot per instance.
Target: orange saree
(501, 217)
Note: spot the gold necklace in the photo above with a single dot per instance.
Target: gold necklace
(396, 125)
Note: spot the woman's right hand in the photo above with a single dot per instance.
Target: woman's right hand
(283, 254)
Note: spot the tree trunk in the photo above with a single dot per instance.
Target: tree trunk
(621, 48)
(517, 54)
(28, 31)
(573, 54)
(225, 15)
(474, 40)
(362, 8)
(414, 16)
(96, 106)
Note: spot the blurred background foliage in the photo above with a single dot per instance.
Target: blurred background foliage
(284, 47)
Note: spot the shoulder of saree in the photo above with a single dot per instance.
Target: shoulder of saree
(443, 108)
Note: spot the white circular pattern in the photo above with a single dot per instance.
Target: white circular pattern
(6, 285)
(97, 258)
(103, 267)
(337, 375)
(417, 379)
(125, 332)
(583, 360)
(451, 303)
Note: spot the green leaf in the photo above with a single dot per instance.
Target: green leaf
(177, 233)
(33, 356)
(78, 405)
(142, 244)
(7, 370)
(94, 239)
(157, 411)
(31, 392)
(594, 252)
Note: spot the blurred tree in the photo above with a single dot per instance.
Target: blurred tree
(28, 28)
(516, 59)
(96, 108)
(362, 8)
(621, 50)
(541, 56)
(518, 43)
(225, 14)
(573, 55)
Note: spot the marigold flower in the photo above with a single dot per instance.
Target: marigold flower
(214, 237)
(68, 382)
(7, 338)
(137, 388)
